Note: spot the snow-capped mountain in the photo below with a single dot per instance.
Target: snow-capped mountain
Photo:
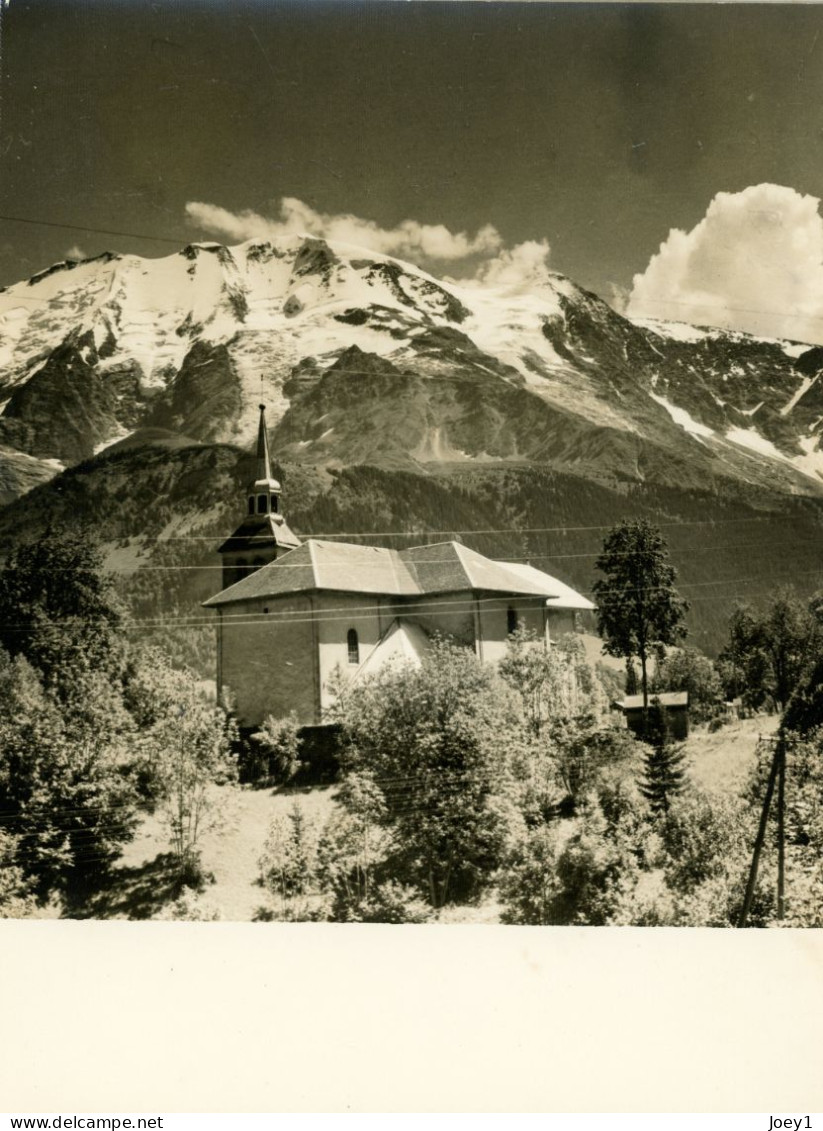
(361, 358)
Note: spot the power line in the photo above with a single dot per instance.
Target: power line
(329, 535)
(215, 567)
(87, 228)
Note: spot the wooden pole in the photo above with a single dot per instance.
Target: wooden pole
(781, 831)
(761, 836)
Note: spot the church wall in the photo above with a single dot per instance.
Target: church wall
(494, 622)
(337, 613)
(273, 664)
(451, 614)
(268, 663)
(561, 622)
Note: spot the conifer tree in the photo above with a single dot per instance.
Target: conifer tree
(664, 772)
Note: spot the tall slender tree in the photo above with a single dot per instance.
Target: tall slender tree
(638, 607)
(665, 761)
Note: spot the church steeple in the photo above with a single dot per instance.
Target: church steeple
(264, 492)
(263, 534)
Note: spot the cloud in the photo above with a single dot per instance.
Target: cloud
(76, 252)
(753, 263)
(410, 239)
(521, 268)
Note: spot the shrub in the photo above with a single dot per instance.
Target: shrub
(275, 750)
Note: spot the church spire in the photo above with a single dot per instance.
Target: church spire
(264, 492)
(263, 461)
(263, 534)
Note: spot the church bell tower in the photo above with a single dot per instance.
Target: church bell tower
(263, 533)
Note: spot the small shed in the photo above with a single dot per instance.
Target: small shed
(676, 704)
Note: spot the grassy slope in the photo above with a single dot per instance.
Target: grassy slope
(141, 885)
(720, 762)
(141, 888)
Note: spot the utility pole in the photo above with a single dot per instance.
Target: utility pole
(777, 770)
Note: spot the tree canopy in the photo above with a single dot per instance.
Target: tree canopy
(439, 743)
(770, 649)
(59, 609)
(638, 607)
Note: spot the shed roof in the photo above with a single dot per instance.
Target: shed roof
(667, 699)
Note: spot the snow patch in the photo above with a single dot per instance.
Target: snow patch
(794, 349)
(122, 434)
(681, 417)
(750, 438)
(804, 387)
(678, 331)
(811, 462)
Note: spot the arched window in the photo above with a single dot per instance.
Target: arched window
(512, 623)
(274, 506)
(261, 504)
(251, 504)
(354, 646)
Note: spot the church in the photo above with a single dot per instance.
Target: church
(294, 616)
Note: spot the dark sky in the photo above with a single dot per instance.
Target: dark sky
(597, 126)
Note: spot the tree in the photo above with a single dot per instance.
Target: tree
(554, 682)
(686, 669)
(65, 788)
(186, 751)
(664, 771)
(583, 875)
(59, 609)
(440, 743)
(769, 650)
(289, 864)
(638, 607)
(789, 635)
(16, 898)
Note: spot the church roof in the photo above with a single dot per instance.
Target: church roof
(339, 566)
(258, 531)
(566, 597)
(447, 567)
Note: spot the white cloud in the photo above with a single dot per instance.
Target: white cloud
(76, 252)
(753, 263)
(410, 239)
(521, 268)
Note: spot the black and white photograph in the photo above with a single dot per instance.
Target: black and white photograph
(411, 476)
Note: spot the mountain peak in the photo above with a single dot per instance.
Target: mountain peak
(158, 339)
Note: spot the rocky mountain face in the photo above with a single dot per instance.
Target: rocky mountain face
(364, 359)
(398, 402)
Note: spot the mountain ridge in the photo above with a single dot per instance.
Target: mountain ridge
(193, 341)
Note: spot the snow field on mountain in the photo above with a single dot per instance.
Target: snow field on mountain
(681, 417)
